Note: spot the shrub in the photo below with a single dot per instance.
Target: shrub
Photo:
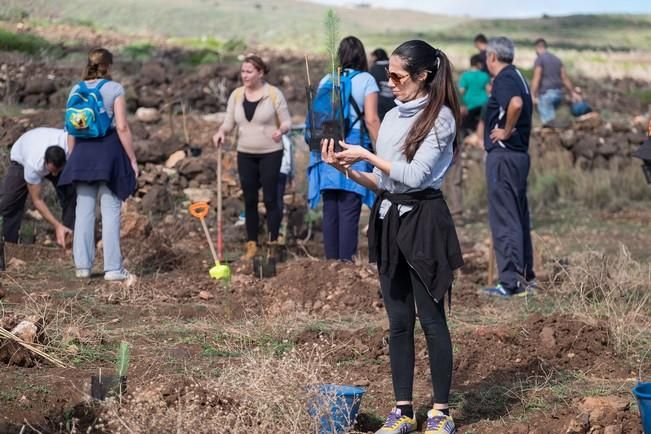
(23, 42)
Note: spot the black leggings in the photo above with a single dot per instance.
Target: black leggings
(260, 170)
(399, 294)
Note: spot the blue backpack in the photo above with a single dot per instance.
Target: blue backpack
(86, 116)
(327, 118)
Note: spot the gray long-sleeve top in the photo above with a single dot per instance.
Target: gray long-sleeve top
(430, 163)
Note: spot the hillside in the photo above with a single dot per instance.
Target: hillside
(297, 24)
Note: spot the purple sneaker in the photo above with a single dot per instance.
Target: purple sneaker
(396, 423)
(439, 423)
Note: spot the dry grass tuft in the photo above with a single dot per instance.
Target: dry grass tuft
(258, 393)
(612, 288)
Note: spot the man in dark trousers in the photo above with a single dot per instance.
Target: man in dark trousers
(385, 101)
(506, 139)
(38, 154)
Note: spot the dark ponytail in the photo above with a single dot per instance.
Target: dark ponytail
(418, 57)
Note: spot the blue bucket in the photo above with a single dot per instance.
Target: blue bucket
(643, 394)
(336, 406)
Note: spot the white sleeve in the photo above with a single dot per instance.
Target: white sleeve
(32, 176)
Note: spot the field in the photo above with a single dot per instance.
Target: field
(241, 357)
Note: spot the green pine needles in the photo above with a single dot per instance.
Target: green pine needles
(331, 27)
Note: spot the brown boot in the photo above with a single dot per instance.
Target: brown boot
(251, 250)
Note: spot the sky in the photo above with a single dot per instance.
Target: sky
(507, 8)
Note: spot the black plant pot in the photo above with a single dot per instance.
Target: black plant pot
(264, 267)
(107, 386)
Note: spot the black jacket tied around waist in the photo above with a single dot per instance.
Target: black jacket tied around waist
(425, 236)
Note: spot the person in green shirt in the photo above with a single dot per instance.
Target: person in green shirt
(473, 86)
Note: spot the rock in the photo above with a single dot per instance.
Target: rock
(148, 115)
(156, 200)
(153, 73)
(174, 159)
(203, 169)
(613, 429)
(602, 416)
(585, 147)
(579, 425)
(588, 121)
(614, 402)
(148, 99)
(39, 85)
(26, 330)
(519, 428)
(156, 151)
(607, 149)
(134, 225)
(568, 138)
(620, 126)
(138, 131)
(199, 194)
(205, 295)
(362, 382)
(547, 337)
(15, 264)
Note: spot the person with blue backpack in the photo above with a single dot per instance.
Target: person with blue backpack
(102, 162)
(342, 197)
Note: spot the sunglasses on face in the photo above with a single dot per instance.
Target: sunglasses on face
(395, 77)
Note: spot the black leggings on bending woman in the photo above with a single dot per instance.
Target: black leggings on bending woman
(260, 170)
(399, 294)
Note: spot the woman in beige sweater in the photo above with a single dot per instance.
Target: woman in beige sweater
(259, 112)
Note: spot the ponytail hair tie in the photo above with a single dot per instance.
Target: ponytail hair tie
(437, 54)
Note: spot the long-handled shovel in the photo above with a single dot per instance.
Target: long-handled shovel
(219, 271)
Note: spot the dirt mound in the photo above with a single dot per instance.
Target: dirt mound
(316, 287)
(538, 345)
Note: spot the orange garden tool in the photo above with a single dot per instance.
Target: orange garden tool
(219, 271)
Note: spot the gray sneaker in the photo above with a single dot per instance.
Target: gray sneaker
(118, 275)
(82, 273)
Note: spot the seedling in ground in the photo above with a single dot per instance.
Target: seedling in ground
(123, 359)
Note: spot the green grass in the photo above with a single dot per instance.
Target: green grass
(93, 353)
(22, 389)
(644, 95)
(24, 43)
(139, 51)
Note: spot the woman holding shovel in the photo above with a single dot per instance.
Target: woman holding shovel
(259, 112)
(412, 237)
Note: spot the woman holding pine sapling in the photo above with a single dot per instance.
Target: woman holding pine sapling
(343, 198)
(412, 237)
